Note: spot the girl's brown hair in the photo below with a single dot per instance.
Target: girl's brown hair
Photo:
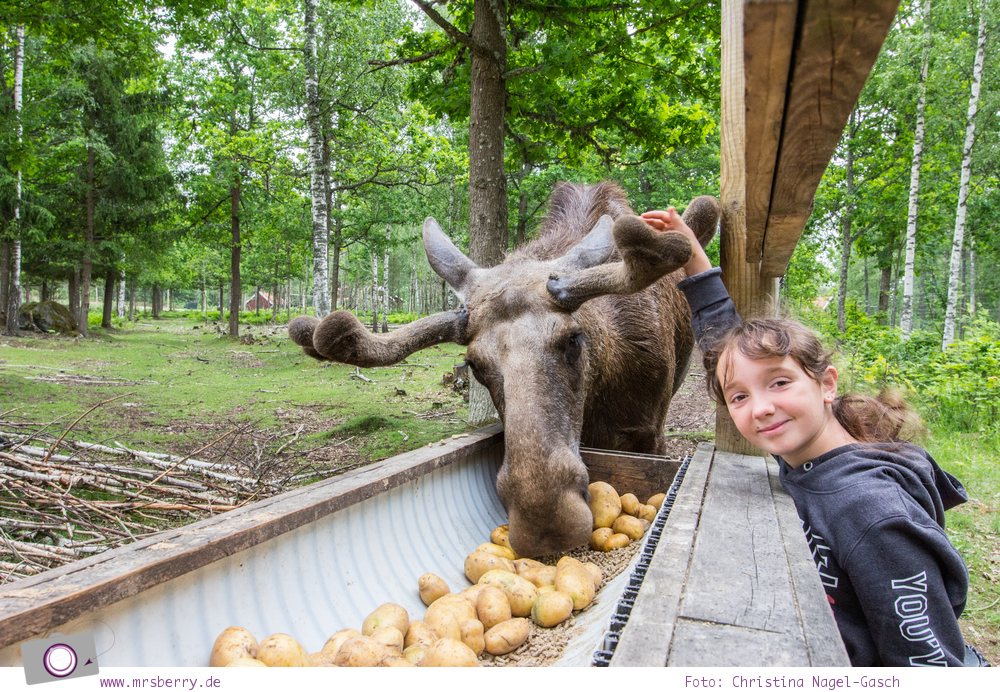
(885, 418)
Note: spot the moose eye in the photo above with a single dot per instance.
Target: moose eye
(573, 347)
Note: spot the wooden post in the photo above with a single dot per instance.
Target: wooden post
(751, 295)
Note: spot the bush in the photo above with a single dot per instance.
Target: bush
(958, 388)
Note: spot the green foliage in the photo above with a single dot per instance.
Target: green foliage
(957, 389)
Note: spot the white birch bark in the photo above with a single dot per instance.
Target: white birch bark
(906, 318)
(385, 283)
(375, 302)
(121, 293)
(317, 189)
(951, 310)
(14, 257)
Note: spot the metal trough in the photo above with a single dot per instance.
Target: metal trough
(308, 562)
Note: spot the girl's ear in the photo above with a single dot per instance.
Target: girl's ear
(828, 383)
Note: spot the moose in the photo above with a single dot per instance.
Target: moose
(581, 337)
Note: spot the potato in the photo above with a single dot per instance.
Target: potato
(647, 513)
(319, 659)
(391, 637)
(415, 654)
(596, 574)
(657, 500)
(362, 652)
(551, 608)
(546, 589)
(472, 635)
(431, 587)
(630, 504)
(471, 593)
(479, 563)
(599, 536)
(494, 549)
(247, 663)
(630, 526)
(572, 578)
(508, 635)
(540, 576)
(386, 615)
(281, 650)
(337, 640)
(419, 633)
(492, 608)
(523, 563)
(232, 644)
(605, 504)
(520, 592)
(446, 615)
(448, 652)
(617, 540)
(396, 662)
(501, 535)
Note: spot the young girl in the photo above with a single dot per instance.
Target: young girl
(872, 506)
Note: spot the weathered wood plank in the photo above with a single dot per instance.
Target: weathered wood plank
(824, 647)
(837, 45)
(712, 644)
(646, 639)
(768, 37)
(739, 572)
(35, 605)
(642, 475)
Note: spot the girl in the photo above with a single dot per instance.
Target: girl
(872, 506)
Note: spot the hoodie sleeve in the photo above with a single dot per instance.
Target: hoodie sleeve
(911, 585)
(712, 309)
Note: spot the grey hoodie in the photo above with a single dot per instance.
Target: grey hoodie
(873, 515)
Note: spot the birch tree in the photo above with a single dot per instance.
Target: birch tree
(906, 318)
(12, 249)
(317, 169)
(955, 265)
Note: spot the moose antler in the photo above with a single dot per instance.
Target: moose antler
(646, 255)
(341, 337)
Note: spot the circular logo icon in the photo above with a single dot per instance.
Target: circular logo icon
(59, 660)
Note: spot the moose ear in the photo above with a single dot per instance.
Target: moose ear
(595, 248)
(445, 259)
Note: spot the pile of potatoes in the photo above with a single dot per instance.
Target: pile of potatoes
(619, 520)
(492, 616)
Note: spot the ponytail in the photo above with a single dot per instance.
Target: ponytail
(885, 418)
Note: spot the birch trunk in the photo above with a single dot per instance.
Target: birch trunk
(906, 318)
(374, 299)
(317, 187)
(846, 238)
(235, 285)
(385, 283)
(12, 278)
(951, 310)
(121, 294)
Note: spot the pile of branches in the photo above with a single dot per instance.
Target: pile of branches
(63, 499)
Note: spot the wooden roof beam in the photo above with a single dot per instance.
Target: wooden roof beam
(835, 46)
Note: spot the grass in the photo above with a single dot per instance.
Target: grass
(974, 529)
(180, 383)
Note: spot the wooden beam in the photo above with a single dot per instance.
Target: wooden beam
(768, 38)
(837, 44)
(740, 274)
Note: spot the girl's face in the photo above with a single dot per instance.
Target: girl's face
(779, 408)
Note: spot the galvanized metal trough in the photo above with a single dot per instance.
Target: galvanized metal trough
(724, 579)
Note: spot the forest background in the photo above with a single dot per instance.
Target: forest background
(243, 162)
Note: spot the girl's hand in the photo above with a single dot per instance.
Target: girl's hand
(670, 220)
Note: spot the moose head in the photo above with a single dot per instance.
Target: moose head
(578, 337)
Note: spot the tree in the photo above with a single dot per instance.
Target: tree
(10, 247)
(906, 320)
(963, 190)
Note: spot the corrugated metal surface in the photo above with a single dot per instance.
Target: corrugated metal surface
(326, 575)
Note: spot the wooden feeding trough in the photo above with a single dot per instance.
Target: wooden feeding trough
(314, 560)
